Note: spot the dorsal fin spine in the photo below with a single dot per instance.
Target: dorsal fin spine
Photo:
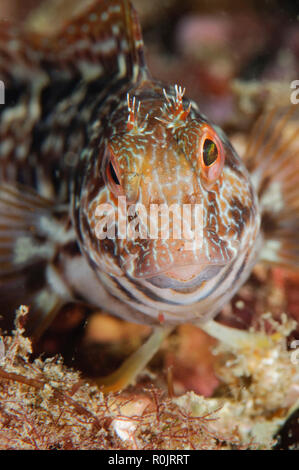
(137, 46)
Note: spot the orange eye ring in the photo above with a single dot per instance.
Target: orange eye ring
(112, 172)
(211, 155)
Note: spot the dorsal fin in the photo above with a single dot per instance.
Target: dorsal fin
(106, 36)
(103, 40)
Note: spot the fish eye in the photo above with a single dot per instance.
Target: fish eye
(112, 172)
(211, 156)
(210, 152)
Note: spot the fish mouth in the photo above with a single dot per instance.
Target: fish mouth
(173, 275)
(178, 276)
(172, 264)
(183, 273)
(181, 277)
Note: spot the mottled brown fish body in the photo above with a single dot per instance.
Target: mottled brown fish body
(84, 125)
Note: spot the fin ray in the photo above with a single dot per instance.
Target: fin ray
(26, 254)
(273, 159)
(103, 40)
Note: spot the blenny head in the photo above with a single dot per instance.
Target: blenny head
(166, 199)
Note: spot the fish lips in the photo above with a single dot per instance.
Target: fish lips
(178, 278)
(167, 263)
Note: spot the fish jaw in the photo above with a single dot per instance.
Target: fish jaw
(171, 258)
(184, 274)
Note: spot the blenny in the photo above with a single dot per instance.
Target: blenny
(83, 125)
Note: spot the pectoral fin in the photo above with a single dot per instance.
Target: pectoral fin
(273, 160)
(31, 232)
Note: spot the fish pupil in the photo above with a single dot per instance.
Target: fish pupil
(113, 174)
(210, 152)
